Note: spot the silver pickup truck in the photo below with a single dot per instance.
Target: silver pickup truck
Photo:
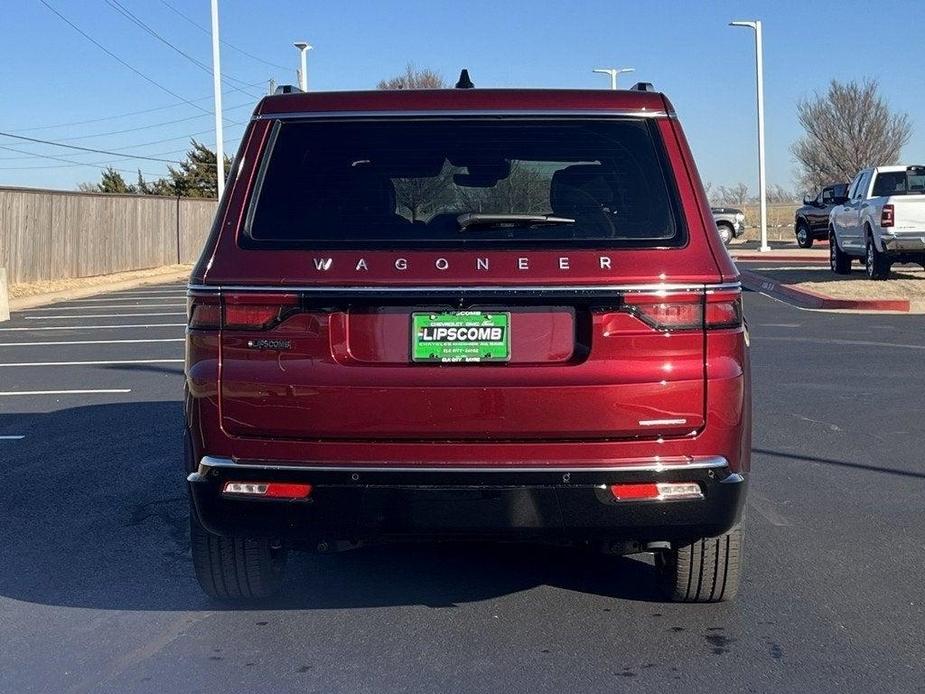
(730, 222)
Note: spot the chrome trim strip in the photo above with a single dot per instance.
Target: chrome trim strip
(454, 113)
(660, 422)
(702, 463)
(565, 289)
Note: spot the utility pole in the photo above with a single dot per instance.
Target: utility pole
(759, 78)
(271, 87)
(217, 87)
(304, 48)
(614, 72)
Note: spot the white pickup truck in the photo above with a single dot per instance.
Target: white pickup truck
(882, 222)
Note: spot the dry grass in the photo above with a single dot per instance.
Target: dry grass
(906, 282)
(18, 291)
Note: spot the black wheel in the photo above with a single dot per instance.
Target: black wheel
(703, 570)
(839, 261)
(876, 264)
(235, 568)
(804, 238)
(725, 233)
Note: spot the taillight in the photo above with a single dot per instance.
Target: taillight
(886, 216)
(255, 311)
(666, 311)
(268, 490)
(203, 311)
(245, 311)
(656, 491)
(686, 311)
(723, 309)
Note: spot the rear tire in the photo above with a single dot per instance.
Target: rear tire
(235, 568)
(804, 238)
(876, 264)
(839, 261)
(703, 570)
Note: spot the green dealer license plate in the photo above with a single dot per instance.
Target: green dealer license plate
(460, 336)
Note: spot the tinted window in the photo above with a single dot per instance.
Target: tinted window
(827, 195)
(411, 183)
(909, 182)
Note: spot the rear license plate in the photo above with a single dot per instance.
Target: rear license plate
(461, 336)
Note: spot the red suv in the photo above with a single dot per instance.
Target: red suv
(466, 313)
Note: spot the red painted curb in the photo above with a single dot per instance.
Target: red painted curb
(806, 298)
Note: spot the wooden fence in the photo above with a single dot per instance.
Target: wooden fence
(52, 234)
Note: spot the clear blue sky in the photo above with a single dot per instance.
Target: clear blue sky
(50, 74)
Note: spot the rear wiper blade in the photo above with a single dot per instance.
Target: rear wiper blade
(479, 219)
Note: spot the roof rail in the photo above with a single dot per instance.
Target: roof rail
(642, 87)
(287, 89)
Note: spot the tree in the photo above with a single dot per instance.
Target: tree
(414, 79)
(848, 128)
(524, 191)
(736, 195)
(424, 196)
(195, 177)
(111, 181)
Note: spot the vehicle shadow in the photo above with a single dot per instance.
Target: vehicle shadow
(95, 515)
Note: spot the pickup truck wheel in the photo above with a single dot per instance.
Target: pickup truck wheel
(839, 261)
(876, 264)
(804, 239)
(725, 233)
(235, 568)
(704, 570)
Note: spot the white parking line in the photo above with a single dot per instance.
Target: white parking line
(93, 363)
(89, 342)
(100, 308)
(98, 327)
(178, 295)
(10, 393)
(110, 315)
(18, 437)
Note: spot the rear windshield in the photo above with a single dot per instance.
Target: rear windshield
(495, 182)
(909, 182)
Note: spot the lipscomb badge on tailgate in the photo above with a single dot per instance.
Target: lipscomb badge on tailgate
(269, 344)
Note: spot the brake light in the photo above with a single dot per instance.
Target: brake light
(723, 309)
(886, 216)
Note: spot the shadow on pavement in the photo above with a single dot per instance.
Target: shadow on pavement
(840, 463)
(95, 515)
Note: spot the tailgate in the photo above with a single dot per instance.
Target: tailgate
(908, 212)
(322, 365)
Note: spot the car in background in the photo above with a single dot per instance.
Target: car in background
(369, 362)
(730, 222)
(881, 222)
(811, 222)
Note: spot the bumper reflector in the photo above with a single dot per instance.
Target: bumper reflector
(656, 491)
(268, 490)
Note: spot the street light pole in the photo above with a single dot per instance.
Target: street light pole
(304, 48)
(614, 73)
(762, 185)
(217, 87)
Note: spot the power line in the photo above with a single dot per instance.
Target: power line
(83, 149)
(223, 42)
(78, 163)
(128, 114)
(120, 60)
(128, 14)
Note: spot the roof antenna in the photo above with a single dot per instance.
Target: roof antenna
(464, 81)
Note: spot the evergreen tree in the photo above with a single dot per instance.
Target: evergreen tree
(111, 181)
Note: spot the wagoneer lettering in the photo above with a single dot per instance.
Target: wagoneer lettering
(547, 344)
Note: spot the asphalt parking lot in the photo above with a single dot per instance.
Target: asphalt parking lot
(97, 591)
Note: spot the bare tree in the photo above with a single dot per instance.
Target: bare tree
(414, 79)
(848, 128)
(777, 194)
(736, 195)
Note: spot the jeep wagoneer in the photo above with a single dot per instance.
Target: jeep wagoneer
(466, 313)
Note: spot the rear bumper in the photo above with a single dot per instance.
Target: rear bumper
(367, 503)
(903, 241)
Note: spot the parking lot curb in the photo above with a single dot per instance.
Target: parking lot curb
(804, 298)
(27, 302)
(781, 257)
